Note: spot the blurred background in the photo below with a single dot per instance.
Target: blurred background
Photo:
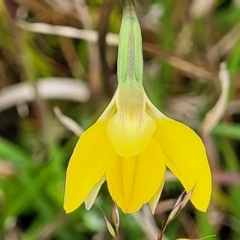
(58, 73)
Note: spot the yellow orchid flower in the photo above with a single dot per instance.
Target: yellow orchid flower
(132, 143)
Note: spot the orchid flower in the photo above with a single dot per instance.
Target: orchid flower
(132, 143)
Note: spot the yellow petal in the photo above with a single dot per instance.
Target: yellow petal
(186, 158)
(131, 137)
(93, 194)
(86, 166)
(134, 181)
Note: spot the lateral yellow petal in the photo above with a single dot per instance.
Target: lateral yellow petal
(186, 158)
(86, 166)
(201, 195)
(133, 181)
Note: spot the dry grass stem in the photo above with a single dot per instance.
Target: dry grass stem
(67, 89)
(216, 113)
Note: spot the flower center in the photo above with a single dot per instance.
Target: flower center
(130, 129)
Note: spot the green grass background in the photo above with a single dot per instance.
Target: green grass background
(35, 147)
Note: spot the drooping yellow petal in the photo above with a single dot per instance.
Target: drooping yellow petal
(186, 158)
(133, 181)
(202, 190)
(131, 129)
(86, 167)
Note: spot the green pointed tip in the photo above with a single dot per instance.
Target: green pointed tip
(127, 3)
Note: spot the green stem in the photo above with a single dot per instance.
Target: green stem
(130, 59)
